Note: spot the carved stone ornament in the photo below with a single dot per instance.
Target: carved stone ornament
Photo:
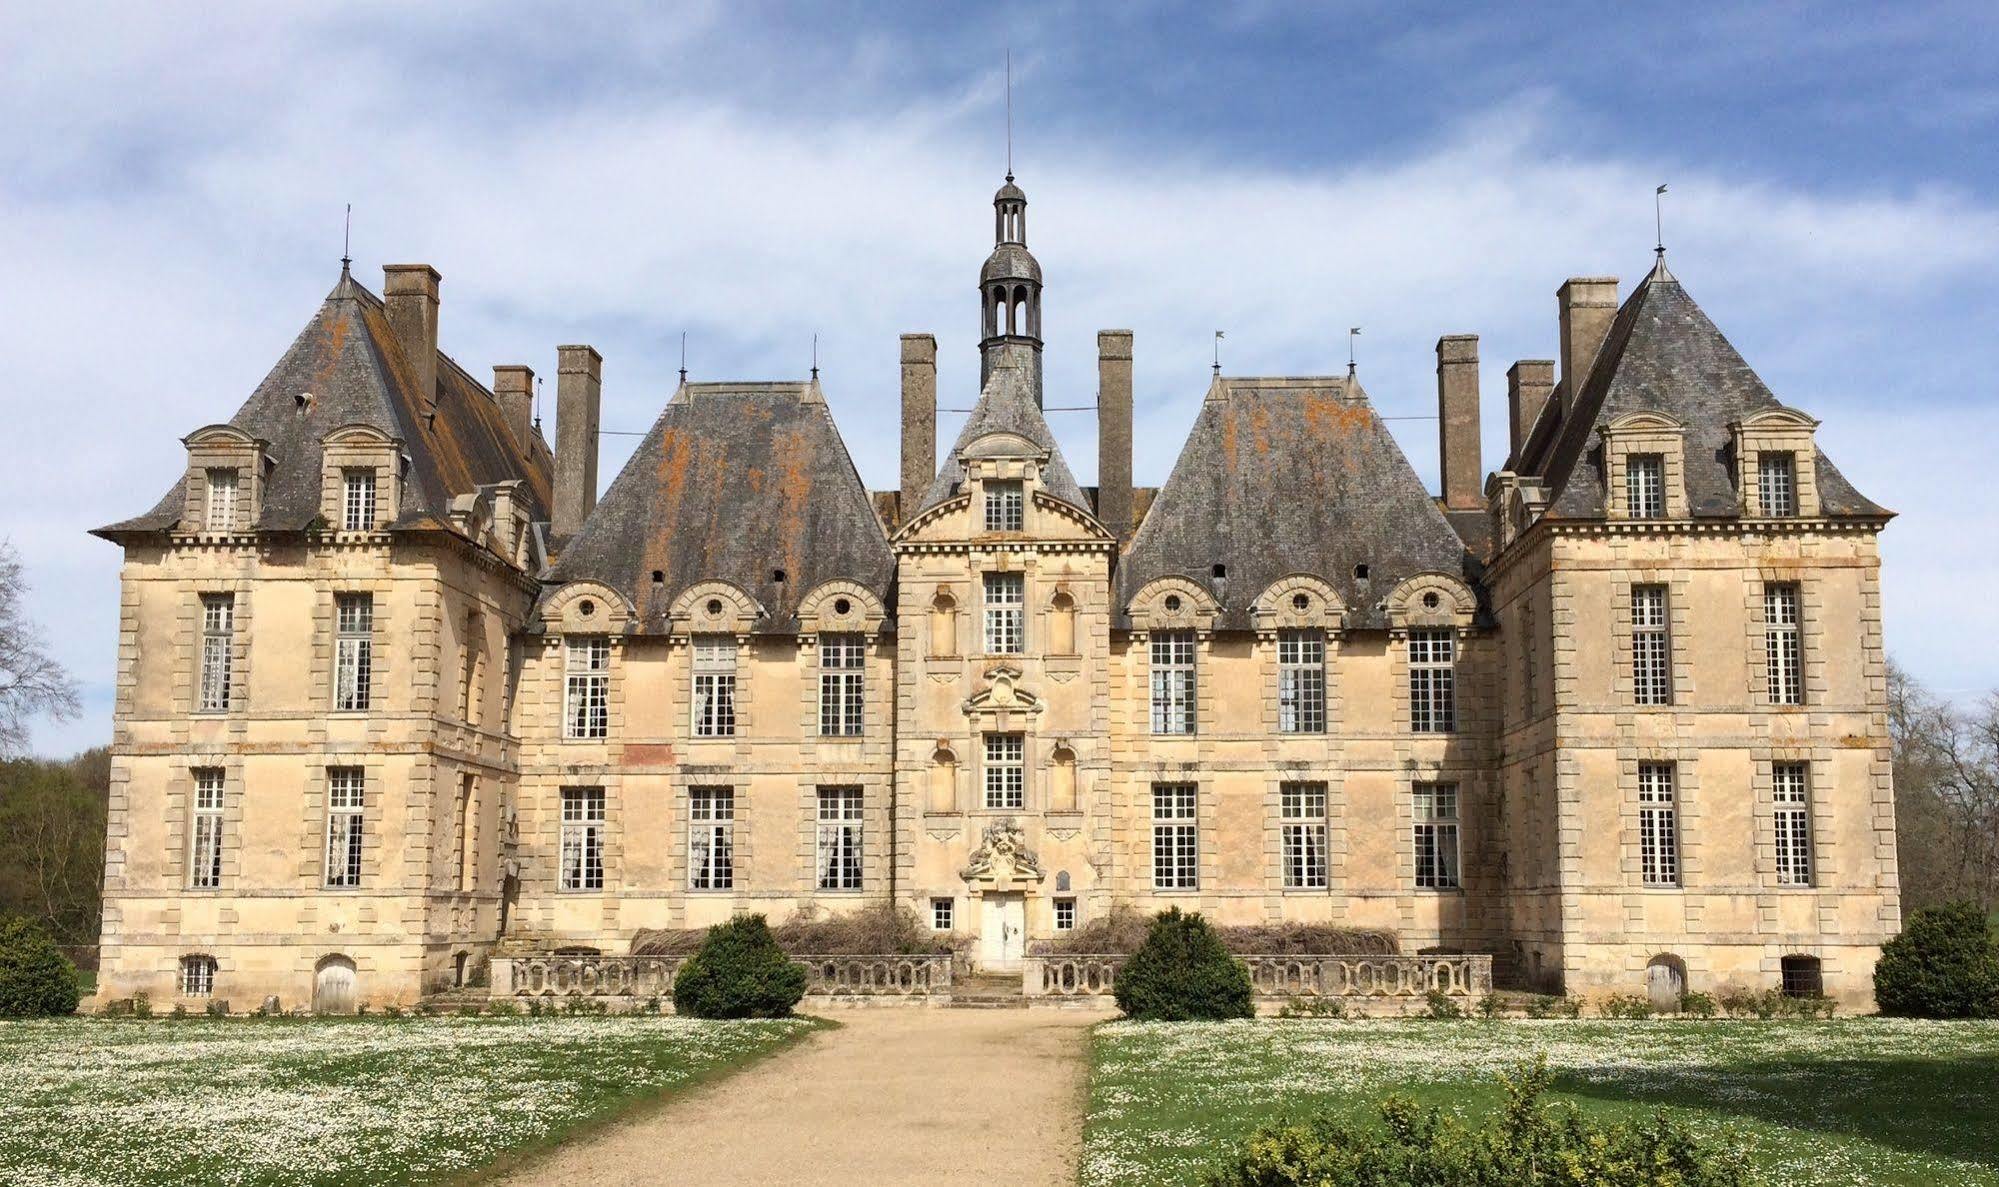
(1002, 861)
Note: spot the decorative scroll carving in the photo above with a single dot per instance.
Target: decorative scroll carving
(1002, 860)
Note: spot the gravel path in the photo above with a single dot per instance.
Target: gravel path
(894, 1096)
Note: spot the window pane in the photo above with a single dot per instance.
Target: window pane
(1645, 485)
(1432, 681)
(1301, 682)
(1004, 505)
(1651, 652)
(1173, 690)
(1777, 484)
(1005, 611)
(1783, 656)
(842, 696)
(1006, 771)
(1658, 825)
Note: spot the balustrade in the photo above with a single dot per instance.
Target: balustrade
(648, 976)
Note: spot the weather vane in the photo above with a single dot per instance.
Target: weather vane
(1353, 332)
(1218, 352)
(1659, 223)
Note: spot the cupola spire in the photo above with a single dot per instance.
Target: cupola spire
(1010, 292)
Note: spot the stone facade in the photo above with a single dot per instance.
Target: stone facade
(1617, 721)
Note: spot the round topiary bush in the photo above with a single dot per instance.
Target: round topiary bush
(1943, 965)
(1183, 972)
(36, 979)
(738, 972)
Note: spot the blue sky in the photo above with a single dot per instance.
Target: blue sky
(172, 181)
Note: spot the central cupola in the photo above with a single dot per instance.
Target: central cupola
(1010, 293)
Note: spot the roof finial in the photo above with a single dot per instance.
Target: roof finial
(1659, 224)
(537, 403)
(1218, 353)
(346, 240)
(1353, 332)
(815, 356)
(1009, 113)
(683, 357)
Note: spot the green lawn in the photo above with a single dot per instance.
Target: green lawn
(332, 1101)
(1852, 1101)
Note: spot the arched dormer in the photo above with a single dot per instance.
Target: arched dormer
(1173, 604)
(841, 605)
(360, 478)
(226, 468)
(1776, 461)
(713, 608)
(1431, 600)
(585, 608)
(1645, 467)
(1299, 601)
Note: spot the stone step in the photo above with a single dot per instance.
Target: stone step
(982, 1002)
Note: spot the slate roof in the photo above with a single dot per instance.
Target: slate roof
(1293, 475)
(1008, 405)
(1663, 355)
(733, 481)
(351, 362)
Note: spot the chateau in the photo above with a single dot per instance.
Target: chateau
(397, 691)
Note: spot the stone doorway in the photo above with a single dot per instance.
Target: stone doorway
(1002, 931)
(333, 986)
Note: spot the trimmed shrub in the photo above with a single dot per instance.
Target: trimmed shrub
(1545, 1005)
(36, 979)
(1624, 1005)
(1696, 1005)
(1438, 1006)
(1943, 965)
(738, 972)
(1183, 973)
(1528, 1143)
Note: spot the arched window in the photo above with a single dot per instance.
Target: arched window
(1803, 977)
(197, 976)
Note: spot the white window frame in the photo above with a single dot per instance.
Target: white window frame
(218, 646)
(1065, 913)
(223, 487)
(1777, 484)
(1176, 836)
(842, 684)
(1791, 797)
(1302, 818)
(1301, 682)
(205, 837)
(1645, 485)
(1006, 503)
(357, 499)
(197, 975)
(711, 838)
(353, 651)
(1783, 643)
(712, 703)
(839, 849)
(1651, 646)
(1433, 705)
(346, 825)
(586, 687)
(1659, 824)
(1005, 772)
(1174, 682)
(943, 914)
(1435, 836)
(585, 815)
(1006, 613)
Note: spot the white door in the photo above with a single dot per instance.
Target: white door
(1002, 931)
(333, 986)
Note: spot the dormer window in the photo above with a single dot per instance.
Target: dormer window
(1645, 485)
(1004, 506)
(357, 500)
(220, 509)
(1776, 484)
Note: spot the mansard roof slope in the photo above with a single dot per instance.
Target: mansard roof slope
(1007, 405)
(732, 482)
(352, 365)
(1663, 355)
(1291, 475)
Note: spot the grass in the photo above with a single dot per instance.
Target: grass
(1844, 1102)
(333, 1101)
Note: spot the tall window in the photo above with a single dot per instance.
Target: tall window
(839, 838)
(1783, 658)
(1173, 682)
(468, 816)
(711, 838)
(586, 688)
(1301, 682)
(1651, 651)
(197, 976)
(1003, 506)
(842, 691)
(1645, 485)
(221, 506)
(1176, 852)
(344, 825)
(1432, 681)
(357, 503)
(714, 686)
(1006, 771)
(582, 853)
(1658, 825)
(1777, 484)
(218, 639)
(1005, 613)
(1436, 835)
(1303, 809)
(1791, 789)
(205, 857)
(353, 650)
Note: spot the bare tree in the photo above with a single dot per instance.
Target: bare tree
(1946, 794)
(32, 683)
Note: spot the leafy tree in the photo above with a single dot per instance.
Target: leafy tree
(36, 979)
(32, 683)
(1183, 972)
(52, 842)
(738, 972)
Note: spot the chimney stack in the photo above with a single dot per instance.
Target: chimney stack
(1114, 432)
(579, 398)
(1528, 383)
(1457, 422)
(1588, 304)
(410, 293)
(513, 387)
(919, 421)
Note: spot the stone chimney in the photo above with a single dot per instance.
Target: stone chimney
(1114, 432)
(579, 396)
(1457, 422)
(513, 387)
(410, 293)
(1528, 383)
(1587, 304)
(919, 421)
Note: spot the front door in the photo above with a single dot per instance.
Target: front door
(333, 986)
(1002, 931)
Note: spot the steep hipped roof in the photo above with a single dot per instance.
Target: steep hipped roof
(1663, 355)
(1007, 406)
(734, 480)
(1293, 475)
(351, 363)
